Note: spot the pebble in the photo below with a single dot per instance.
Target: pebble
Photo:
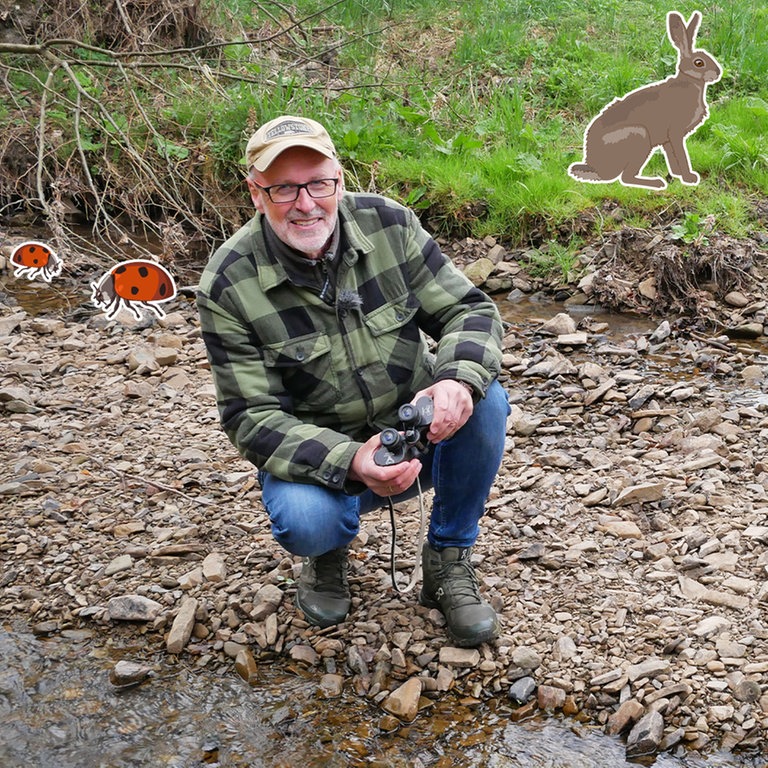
(628, 518)
(331, 686)
(459, 657)
(645, 737)
(521, 690)
(133, 608)
(550, 698)
(181, 630)
(403, 702)
(128, 673)
(629, 712)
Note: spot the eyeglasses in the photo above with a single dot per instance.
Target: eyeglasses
(287, 193)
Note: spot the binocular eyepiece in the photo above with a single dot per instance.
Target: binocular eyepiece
(410, 442)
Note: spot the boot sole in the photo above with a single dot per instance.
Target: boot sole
(461, 642)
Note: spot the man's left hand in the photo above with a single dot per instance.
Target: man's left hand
(452, 405)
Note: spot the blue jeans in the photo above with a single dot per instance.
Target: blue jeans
(310, 520)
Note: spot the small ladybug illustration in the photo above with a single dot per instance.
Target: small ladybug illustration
(134, 284)
(33, 259)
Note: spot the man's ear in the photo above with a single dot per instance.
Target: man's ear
(256, 196)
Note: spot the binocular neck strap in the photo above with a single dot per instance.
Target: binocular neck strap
(416, 573)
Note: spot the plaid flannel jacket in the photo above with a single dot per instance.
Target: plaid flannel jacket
(301, 384)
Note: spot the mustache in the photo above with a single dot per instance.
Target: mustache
(303, 215)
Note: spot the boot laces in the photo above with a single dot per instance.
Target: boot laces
(330, 572)
(464, 585)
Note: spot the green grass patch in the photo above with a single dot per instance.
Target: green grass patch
(471, 112)
(501, 115)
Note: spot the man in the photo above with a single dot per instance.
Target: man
(314, 315)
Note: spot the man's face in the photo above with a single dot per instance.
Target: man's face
(307, 223)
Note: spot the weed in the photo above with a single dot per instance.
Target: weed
(693, 229)
(555, 259)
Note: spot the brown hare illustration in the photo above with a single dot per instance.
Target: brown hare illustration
(621, 138)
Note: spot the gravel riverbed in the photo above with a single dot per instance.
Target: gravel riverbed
(624, 545)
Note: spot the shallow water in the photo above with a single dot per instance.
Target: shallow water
(59, 710)
(531, 311)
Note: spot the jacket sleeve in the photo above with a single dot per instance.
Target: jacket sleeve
(257, 413)
(463, 320)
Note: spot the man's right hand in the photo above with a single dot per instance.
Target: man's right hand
(383, 481)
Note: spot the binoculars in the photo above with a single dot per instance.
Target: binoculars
(411, 441)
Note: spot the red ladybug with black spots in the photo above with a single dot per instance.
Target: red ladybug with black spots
(134, 284)
(33, 259)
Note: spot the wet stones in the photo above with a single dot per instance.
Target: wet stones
(645, 737)
(246, 666)
(126, 674)
(403, 702)
(623, 544)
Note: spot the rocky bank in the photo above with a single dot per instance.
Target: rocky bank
(624, 545)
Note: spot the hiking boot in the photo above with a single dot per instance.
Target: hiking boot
(450, 584)
(323, 590)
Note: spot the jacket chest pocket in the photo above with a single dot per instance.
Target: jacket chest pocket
(397, 337)
(304, 366)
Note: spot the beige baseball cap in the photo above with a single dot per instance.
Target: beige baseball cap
(282, 133)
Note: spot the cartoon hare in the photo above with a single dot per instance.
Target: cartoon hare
(620, 140)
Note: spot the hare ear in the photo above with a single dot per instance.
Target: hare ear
(692, 28)
(678, 32)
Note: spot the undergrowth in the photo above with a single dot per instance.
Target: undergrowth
(469, 112)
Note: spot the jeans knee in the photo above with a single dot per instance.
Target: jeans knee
(497, 401)
(489, 420)
(311, 530)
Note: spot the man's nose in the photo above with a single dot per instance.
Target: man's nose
(305, 201)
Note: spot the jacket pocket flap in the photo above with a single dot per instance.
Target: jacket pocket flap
(298, 351)
(392, 316)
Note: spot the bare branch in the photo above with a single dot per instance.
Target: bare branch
(134, 166)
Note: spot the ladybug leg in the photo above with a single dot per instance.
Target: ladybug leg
(113, 307)
(158, 310)
(132, 308)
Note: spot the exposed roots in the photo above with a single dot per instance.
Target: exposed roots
(131, 123)
(661, 276)
(124, 25)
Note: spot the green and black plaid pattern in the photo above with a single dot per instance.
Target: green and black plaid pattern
(301, 384)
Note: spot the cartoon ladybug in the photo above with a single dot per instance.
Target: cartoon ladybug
(33, 259)
(134, 284)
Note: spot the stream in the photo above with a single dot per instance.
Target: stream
(58, 708)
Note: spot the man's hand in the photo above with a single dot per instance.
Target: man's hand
(452, 405)
(383, 481)
(452, 408)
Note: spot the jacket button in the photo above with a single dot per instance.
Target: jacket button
(300, 354)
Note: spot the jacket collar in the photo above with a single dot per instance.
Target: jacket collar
(272, 273)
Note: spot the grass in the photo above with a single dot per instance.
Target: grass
(561, 260)
(498, 118)
(471, 112)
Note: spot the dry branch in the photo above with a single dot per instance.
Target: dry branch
(96, 138)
